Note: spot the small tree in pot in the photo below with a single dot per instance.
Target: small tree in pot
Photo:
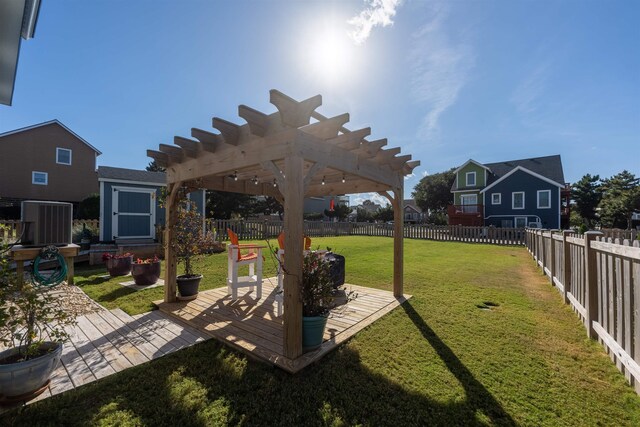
(189, 242)
(33, 354)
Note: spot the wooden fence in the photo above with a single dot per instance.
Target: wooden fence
(600, 277)
(259, 230)
(11, 230)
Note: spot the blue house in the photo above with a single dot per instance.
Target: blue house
(515, 193)
(129, 207)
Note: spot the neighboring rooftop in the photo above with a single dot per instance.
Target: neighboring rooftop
(134, 175)
(51, 122)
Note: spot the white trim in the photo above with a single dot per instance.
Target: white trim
(56, 121)
(520, 168)
(46, 178)
(471, 161)
(513, 193)
(102, 213)
(499, 198)
(468, 190)
(466, 179)
(538, 199)
(515, 221)
(58, 150)
(124, 181)
(114, 208)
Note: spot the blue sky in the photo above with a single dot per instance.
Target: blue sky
(445, 81)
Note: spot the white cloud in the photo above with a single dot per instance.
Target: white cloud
(377, 13)
(357, 199)
(525, 97)
(425, 173)
(440, 68)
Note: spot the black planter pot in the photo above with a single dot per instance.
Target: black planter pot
(146, 274)
(188, 285)
(119, 266)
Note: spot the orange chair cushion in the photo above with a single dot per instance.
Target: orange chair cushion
(281, 240)
(307, 241)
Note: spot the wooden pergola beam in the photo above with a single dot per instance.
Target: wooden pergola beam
(399, 162)
(258, 122)
(190, 147)
(293, 113)
(161, 159)
(410, 166)
(369, 150)
(230, 131)
(176, 155)
(328, 128)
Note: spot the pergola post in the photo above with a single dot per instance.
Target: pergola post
(293, 226)
(171, 264)
(398, 241)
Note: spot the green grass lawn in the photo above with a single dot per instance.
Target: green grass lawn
(436, 360)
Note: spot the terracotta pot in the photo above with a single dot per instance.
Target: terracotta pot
(146, 274)
(119, 266)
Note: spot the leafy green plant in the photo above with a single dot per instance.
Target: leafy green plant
(189, 239)
(317, 290)
(28, 315)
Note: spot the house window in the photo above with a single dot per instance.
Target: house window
(521, 221)
(471, 179)
(496, 198)
(517, 200)
(63, 156)
(39, 178)
(544, 199)
(469, 203)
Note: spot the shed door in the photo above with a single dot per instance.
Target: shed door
(133, 212)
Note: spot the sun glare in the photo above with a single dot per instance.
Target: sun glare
(331, 57)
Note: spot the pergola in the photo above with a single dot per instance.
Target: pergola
(287, 156)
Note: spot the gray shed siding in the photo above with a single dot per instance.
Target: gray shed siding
(522, 181)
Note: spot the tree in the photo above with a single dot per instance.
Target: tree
(154, 167)
(620, 198)
(433, 192)
(384, 214)
(267, 206)
(89, 208)
(339, 211)
(586, 195)
(363, 215)
(222, 205)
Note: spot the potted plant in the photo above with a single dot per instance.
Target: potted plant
(318, 293)
(118, 265)
(189, 242)
(146, 272)
(25, 313)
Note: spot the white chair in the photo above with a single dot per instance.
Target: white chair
(236, 259)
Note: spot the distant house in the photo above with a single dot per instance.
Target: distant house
(129, 203)
(47, 161)
(515, 193)
(317, 205)
(412, 213)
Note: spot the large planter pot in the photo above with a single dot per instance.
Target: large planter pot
(119, 266)
(146, 274)
(188, 285)
(17, 379)
(312, 332)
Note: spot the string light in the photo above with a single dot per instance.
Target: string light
(343, 179)
(323, 180)
(255, 179)
(235, 175)
(274, 182)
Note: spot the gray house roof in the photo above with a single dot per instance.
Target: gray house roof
(549, 167)
(107, 173)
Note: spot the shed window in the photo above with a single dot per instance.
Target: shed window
(517, 200)
(39, 178)
(471, 179)
(63, 156)
(544, 199)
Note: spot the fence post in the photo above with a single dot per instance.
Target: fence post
(566, 260)
(591, 280)
(552, 263)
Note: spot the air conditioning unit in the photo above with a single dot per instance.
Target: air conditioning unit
(46, 223)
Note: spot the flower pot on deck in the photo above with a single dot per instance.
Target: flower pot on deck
(312, 332)
(22, 378)
(188, 284)
(146, 274)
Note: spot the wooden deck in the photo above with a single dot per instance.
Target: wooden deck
(106, 342)
(251, 325)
